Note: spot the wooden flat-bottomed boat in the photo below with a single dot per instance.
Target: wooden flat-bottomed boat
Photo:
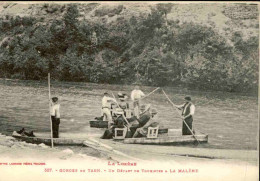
(98, 124)
(173, 137)
(104, 124)
(47, 140)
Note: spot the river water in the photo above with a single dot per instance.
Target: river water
(230, 120)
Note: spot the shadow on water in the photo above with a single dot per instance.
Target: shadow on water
(230, 120)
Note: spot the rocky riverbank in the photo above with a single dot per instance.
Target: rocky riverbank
(11, 148)
(31, 161)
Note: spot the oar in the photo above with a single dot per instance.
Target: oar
(146, 95)
(49, 86)
(180, 115)
(150, 93)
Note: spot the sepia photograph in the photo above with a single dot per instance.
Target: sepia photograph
(142, 90)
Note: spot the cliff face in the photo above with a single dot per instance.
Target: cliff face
(225, 18)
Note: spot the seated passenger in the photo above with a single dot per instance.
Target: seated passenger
(145, 116)
(119, 122)
(142, 131)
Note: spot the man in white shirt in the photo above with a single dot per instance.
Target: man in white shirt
(136, 96)
(55, 117)
(106, 106)
(188, 110)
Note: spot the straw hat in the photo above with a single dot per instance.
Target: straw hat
(123, 98)
(120, 94)
(142, 107)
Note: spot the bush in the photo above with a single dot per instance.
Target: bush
(142, 49)
(109, 11)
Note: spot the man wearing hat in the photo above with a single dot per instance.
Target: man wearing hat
(55, 117)
(188, 110)
(145, 116)
(143, 131)
(119, 122)
(106, 106)
(123, 105)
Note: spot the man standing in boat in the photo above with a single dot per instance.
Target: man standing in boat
(136, 96)
(106, 106)
(123, 104)
(188, 110)
(55, 117)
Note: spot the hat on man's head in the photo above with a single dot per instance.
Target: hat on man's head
(145, 107)
(105, 93)
(153, 111)
(54, 99)
(187, 98)
(142, 107)
(123, 98)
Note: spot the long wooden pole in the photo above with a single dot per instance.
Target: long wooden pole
(49, 86)
(180, 115)
(150, 93)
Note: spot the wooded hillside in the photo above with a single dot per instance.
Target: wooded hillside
(212, 47)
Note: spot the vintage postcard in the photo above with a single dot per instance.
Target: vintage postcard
(129, 91)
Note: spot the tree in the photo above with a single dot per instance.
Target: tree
(71, 23)
(164, 9)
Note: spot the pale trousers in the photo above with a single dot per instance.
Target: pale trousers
(136, 108)
(107, 116)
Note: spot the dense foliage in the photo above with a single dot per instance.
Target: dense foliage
(151, 50)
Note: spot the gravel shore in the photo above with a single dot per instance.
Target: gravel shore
(31, 161)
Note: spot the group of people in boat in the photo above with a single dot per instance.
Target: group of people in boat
(120, 116)
(137, 124)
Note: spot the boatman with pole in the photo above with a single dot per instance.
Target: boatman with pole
(188, 110)
(55, 117)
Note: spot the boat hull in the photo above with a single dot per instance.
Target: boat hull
(171, 140)
(47, 141)
(173, 137)
(98, 124)
(104, 124)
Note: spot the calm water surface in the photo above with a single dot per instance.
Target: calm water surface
(230, 120)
